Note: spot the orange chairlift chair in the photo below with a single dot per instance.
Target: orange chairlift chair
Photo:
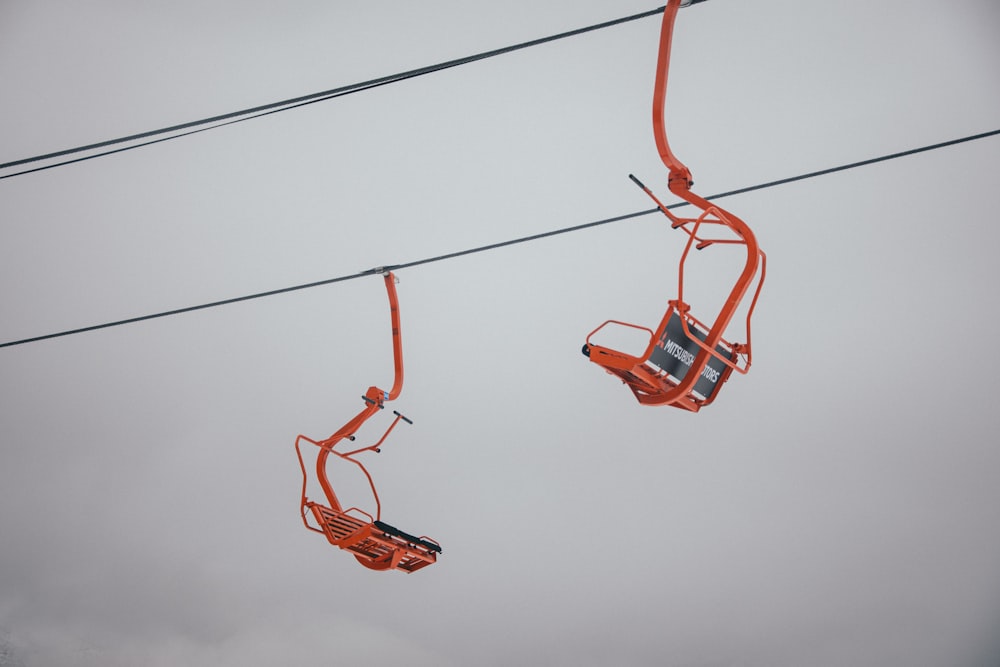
(375, 544)
(686, 360)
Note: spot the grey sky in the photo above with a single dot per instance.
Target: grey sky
(836, 506)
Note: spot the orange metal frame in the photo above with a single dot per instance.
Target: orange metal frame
(650, 384)
(375, 544)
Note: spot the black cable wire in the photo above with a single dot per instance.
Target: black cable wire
(202, 129)
(494, 246)
(328, 281)
(525, 239)
(862, 163)
(295, 102)
(189, 309)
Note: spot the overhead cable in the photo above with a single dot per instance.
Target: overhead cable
(495, 246)
(189, 128)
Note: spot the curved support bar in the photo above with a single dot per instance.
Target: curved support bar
(624, 324)
(304, 501)
(358, 510)
(397, 337)
(616, 358)
(754, 258)
(678, 172)
(328, 490)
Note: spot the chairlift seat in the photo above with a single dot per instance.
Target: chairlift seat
(666, 362)
(375, 544)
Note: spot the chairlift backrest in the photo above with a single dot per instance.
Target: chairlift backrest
(675, 353)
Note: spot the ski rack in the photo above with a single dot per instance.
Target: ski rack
(686, 360)
(375, 544)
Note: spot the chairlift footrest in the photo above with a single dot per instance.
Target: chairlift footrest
(411, 539)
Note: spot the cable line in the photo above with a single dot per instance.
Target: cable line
(201, 129)
(495, 246)
(295, 102)
(862, 163)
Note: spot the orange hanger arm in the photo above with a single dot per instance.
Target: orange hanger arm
(397, 337)
(678, 172)
(374, 398)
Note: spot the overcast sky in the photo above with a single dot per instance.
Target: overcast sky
(839, 505)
